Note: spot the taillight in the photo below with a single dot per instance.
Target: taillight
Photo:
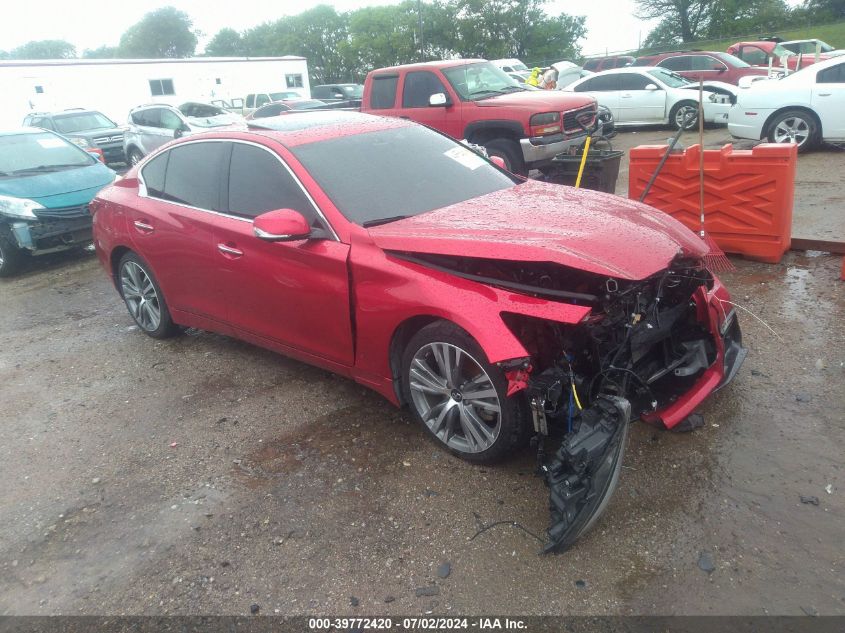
(545, 124)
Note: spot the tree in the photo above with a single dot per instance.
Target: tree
(744, 17)
(103, 52)
(44, 49)
(680, 19)
(226, 43)
(825, 9)
(165, 32)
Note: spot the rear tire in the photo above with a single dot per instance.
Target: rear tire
(794, 126)
(458, 396)
(12, 256)
(143, 297)
(510, 152)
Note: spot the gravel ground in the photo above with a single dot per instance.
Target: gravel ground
(204, 475)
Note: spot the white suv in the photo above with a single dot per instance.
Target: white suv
(154, 124)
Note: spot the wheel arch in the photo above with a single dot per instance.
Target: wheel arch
(115, 256)
(399, 341)
(768, 124)
(480, 132)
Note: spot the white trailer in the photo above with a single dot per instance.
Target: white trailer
(114, 86)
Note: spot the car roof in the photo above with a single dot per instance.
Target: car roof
(441, 63)
(626, 69)
(307, 126)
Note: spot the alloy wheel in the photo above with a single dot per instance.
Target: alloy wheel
(140, 296)
(455, 397)
(681, 116)
(792, 129)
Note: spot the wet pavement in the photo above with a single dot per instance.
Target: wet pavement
(204, 475)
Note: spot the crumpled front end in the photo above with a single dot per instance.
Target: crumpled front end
(652, 349)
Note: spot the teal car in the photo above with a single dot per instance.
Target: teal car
(46, 183)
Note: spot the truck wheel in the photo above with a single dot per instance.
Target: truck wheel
(12, 256)
(509, 152)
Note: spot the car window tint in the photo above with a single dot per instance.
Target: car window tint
(601, 83)
(151, 117)
(250, 101)
(681, 63)
(153, 175)
(591, 64)
(418, 87)
(705, 62)
(383, 92)
(259, 182)
(832, 75)
(632, 81)
(261, 100)
(753, 55)
(193, 175)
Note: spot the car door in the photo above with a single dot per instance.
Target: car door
(708, 68)
(417, 88)
(828, 99)
(605, 90)
(172, 226)
(291, 293)
(637, 103)
(681, 64)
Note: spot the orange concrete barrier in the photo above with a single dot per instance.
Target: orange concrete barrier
(748, 194)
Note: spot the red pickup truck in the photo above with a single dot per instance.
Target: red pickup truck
(474, 100)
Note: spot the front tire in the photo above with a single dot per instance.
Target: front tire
(510, 152)
(681, 111)
(794, 126)
(458, 396)
(12, 256)
(143, 297)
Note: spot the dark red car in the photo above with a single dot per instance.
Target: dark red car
(494, 307)
(763, 53)
(706, 65)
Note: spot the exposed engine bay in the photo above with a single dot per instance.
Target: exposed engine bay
(642, 346)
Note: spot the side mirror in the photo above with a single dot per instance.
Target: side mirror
(438, 100)
(720, 69)
(651, 87)
(180, 131)
(498, 161)
(282, 225)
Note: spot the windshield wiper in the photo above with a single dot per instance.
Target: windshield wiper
(485, 92)
(379, 221)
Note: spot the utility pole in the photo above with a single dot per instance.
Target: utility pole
(422, 38)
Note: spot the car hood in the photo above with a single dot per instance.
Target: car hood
(70, 187)
(553, 100)
(534, 221)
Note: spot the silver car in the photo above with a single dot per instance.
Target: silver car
(154, 124)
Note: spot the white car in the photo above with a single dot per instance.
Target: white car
(646, 95)
(805, 108)
(513, 67)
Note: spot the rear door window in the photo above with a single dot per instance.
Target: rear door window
(601, 83)
(153, 175)
(832, 75)
(193, 174)
(678, 64)
(383, 92)
(259, 182)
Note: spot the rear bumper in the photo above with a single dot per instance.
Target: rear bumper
(745, 123)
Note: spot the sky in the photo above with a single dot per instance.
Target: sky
(611, 25)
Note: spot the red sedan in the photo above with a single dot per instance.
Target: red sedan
(495, 308)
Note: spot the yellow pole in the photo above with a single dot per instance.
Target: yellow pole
(583, 162)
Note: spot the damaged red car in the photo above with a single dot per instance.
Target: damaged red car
(495, 308)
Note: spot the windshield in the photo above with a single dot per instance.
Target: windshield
(480, 81)
(32, 154)
(673, 80)
(399, 172)
(281, 96)
(71, 123)
(779, 51)
(807, 48)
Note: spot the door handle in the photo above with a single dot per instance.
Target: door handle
(230, 251)
(625, 97)
(824, 94)
(143, 227)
